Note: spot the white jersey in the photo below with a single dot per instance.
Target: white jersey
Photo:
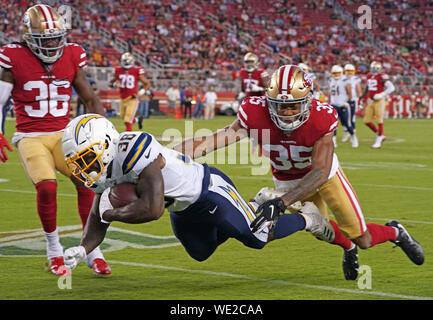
(182, 177)
(353, 81)
(338, 96)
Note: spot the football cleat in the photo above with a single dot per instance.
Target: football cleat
(350, 264)
(57, 266)
(378, 143)
(100, 267)
(346, 137)
(354, 141)
(407, 243)
(317, 225)
(266, 194)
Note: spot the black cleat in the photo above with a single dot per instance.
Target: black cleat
(351, 264)
(407, 243)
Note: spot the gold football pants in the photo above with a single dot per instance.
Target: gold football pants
(338, 195)
(128, 108)
(42, 156)
(375, 109)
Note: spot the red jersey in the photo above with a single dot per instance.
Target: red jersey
(376, 83)
(41, 96)
(290, 155)
(257, 77)
(128, 80)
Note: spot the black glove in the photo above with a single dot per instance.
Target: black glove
(268, 211)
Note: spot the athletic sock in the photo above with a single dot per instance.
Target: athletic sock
(380, 234)
(54, 248)
(380, 130)
(85, 200)
(95, 254)
(128, 126)
(372, 126)
(46, 192)
(340, 239)
(288, 224)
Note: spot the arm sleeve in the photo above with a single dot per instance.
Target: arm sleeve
(389, 87)
(242, 117)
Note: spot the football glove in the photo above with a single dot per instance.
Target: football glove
(104, 204)
(379, 96)
(74, 256)
(268, 212)
(4, 144)
(256, 88)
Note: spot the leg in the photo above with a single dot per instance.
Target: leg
(200, 239)
(130, 110)
(38, 163)
(140, 114)
(368, 117)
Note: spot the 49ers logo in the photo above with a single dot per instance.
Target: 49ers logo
(308, 82)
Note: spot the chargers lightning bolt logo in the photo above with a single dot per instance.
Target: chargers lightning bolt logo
(83, 123)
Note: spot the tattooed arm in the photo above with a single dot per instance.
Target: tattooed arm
(322, 155)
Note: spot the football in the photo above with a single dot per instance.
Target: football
(122, 194)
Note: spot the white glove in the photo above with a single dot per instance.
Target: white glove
(104, 204)
(256, 88)
(346, 105)
(74, 256)
(241, 95)
(379, 96)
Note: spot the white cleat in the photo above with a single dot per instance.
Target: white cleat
(354, 141)
(378, 143)
(316, 223)
(346, 137)
(266, 194)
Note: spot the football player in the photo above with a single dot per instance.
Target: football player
(126, 78)
(295, 132)
(354, 92)
(40, 73)
(339, 99)
(377, 90)
(205, 206)
(253, 78)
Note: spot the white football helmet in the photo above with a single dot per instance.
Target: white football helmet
(304, 67)
(89, 139)
(289, 85)
(349, 69)
(127, 60)
(336, 71)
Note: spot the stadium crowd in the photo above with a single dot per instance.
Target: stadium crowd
(214, 35)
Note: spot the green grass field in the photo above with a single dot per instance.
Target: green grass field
(147, 262)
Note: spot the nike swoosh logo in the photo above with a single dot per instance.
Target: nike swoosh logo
(148, 154)
(213, 211)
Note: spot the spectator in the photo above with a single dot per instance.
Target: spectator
(173, 96)
(210, 102)
(144, 97)
(199, 100)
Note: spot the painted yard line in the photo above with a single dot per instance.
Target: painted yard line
(276, 281)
